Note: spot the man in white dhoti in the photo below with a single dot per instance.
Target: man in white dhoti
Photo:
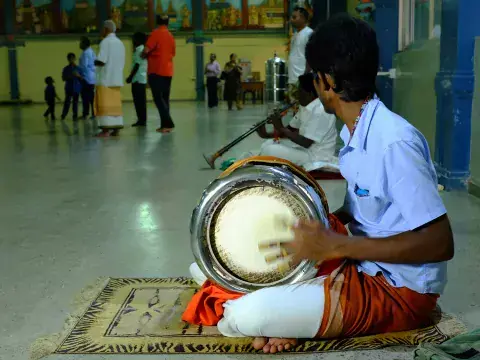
(110, 63)
(297, 63)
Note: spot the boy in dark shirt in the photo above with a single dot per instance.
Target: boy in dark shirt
(73, 86)
(50, 97)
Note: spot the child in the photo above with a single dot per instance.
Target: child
(73, 86)
(50, 96)
(138, 79)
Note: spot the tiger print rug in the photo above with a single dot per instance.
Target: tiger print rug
(143, 316)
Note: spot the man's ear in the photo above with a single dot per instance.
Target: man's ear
(330, 81)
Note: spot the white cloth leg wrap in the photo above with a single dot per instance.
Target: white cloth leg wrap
(288, 311)
(287, 150)
(197, 274)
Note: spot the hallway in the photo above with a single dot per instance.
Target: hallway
(75, 208)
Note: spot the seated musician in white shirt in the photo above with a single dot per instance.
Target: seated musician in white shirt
(311, 135)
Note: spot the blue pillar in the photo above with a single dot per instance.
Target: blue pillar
(454, 87)
(197, 14)
(386, 25)
(103, 12)
(11, 44)
(198, 40)
(324, 9)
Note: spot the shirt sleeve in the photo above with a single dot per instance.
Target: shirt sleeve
(411, 183)
(82, 63)
(295, 122)
(136, 56)
(103, 53)
(218, 70)
(92, 58)
(151, 42)
(318, 124)
(304, 38)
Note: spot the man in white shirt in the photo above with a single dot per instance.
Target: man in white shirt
(110, 63)
(138, 79)
(87, 71)
(311, 135)
(296, 59)
(395, 259)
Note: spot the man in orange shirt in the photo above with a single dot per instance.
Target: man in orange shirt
(160, 51)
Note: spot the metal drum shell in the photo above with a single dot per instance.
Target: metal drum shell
(214, 196)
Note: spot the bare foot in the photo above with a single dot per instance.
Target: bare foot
(273, 345)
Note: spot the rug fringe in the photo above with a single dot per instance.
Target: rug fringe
(47, 345)
(452, 326)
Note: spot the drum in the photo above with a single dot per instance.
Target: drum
(236, 213)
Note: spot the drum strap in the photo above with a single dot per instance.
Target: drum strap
(274, 161)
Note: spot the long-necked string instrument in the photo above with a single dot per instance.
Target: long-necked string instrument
(212, 158)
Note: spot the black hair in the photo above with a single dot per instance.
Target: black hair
(70, 55)
(162, 20)
(345, 48)
(48, 80)
(85, 40)
(302, 11)
(140, 38)
(232, 55)
(305, 82)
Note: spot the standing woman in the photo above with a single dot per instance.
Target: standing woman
(232, 74)
(212, 71)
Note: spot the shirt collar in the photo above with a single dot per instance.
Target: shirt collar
(360, 135)
(299, 31)
(312, 105)
(111, 35)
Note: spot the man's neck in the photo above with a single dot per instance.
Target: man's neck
(348, 113)
(300, 28)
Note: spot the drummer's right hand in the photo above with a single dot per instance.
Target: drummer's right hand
(313, 241)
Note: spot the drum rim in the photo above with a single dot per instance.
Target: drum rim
(214, 195)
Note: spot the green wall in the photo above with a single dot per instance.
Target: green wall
(351, 4)
(45, 56)
(414, 95)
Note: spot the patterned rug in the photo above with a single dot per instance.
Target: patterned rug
(143, 316)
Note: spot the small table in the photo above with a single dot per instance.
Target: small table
(255, 88)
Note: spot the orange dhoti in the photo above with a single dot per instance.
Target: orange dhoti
(357, 304)
(354, 304)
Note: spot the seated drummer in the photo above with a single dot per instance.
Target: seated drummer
(311, 135)
(395, 267)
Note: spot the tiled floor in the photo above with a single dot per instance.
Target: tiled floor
(74, 208)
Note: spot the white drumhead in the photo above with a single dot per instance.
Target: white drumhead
(250, 217)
